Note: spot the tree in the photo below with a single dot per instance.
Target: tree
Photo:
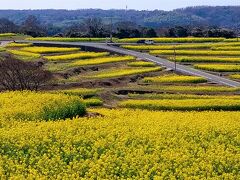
(32, 27)
(197, 32)
(20, 75)
(150, 33)
(7, 26)
(94, 27)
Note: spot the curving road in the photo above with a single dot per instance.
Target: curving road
(160, 61)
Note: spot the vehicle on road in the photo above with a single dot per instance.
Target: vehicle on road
(143, 41)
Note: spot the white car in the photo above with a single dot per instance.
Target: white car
(149, 42)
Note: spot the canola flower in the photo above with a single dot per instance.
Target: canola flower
(181, 96)
(124, 144)
(24, 54)
(173, 78)
(84, 92)
(28, 105)
(195, 53)
(81, 55)
(231, 40)
(226, 44)
(7, 34)
(66, 39)
(218, 67)
(125, 72)
(166, 47)
(103, 60)
(226, 48)
(206, 59)
(141, 64)
(2, 49)
(45, 50)
(234, 76)
(173, 40)
(199, 89)
(93, 102)
(16, 45)
(184, 104)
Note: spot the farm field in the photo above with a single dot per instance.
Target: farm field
(111, 116)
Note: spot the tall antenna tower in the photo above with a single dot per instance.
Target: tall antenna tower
(126, 6)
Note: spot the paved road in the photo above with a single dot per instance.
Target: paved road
(160, 61)
(4, 43)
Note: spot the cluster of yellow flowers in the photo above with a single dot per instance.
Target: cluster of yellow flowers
(195, 53)
(226, 48)
(84, 92)
(60, 39)
(166, 47)
(218, 67)
(206, 59)
(124, 72)
(43, 106)
(180, 96)
(193, 88)
(124, 144)
(184, 104)
(7, 34)
(141, 64)
(173, 40)
(15, 45)
(234, 76)
(24, 54)
(45, 50)
(80, 55)
(103, 60)
(173, 78)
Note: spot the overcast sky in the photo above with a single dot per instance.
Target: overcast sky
(111, 4)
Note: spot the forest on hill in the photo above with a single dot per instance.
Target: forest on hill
(220, 16)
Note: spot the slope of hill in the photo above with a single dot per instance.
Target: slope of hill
(223, 16)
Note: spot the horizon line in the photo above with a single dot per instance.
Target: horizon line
(108, 9)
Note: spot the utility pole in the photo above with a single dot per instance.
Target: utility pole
(111, 33)
(175, 59)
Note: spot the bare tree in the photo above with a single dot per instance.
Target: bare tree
(20, 75)
(31, 26)
(94, 27)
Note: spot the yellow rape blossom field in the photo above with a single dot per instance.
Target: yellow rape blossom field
(124, 144)
(218, 67)
(43, 50)
(172, 78)
(38, 106)
(80, 55)
(103, 60)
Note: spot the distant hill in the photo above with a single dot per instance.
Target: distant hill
(222, 16)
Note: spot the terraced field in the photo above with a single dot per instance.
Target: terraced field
(109, 116)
